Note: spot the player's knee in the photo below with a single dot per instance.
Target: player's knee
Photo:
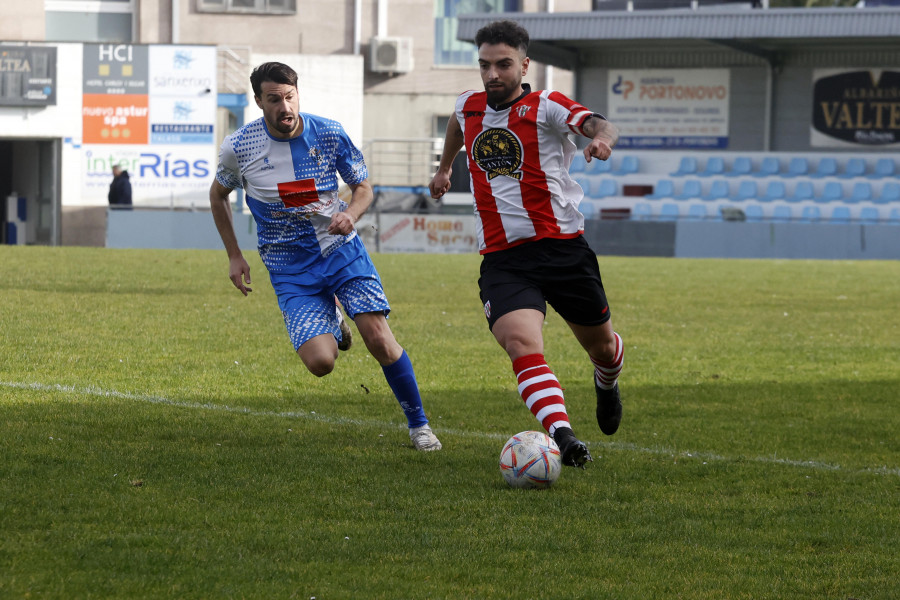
(320, 368)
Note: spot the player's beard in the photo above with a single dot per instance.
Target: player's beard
(498, 92)
(285, 127)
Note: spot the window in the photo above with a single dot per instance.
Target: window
(447, 49)
(89, 20)
(266, 7)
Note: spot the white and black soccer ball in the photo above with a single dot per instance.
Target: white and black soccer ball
(530, 459)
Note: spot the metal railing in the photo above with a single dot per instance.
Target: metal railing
(402, 162)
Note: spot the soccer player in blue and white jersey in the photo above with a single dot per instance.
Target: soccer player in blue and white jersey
(287, 163)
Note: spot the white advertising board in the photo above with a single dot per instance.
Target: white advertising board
(447, 234)
(670, 108)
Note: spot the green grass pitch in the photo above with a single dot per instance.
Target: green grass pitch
(160, 439)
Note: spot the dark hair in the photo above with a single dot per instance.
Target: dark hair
(503, 32)
(272, 71)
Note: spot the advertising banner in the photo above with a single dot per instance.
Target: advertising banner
(427, 233)
(161, 176)
(151, 110)
(856, 108)
(27, 75)
(670, 108)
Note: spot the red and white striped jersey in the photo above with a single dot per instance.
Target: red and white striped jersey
(519, 157)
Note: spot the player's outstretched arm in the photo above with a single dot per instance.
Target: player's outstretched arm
(604, 136)
(454, 140)
(238, 269)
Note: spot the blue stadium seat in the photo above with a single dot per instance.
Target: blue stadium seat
(690, 190)
(604, 188)
(840, 215)
(696, 212)
(855, 167)
(754, 213)
(718, 190)
(884, 167)
(890, 192)
(798, 167)
(629, 165)
(668, 212)
(741, 167)
(687, 166)
(664, 188)
(782, 213)
(587, 209)
(641, 211)
(862, 192)
(894, 216)
(832, 192)
(598, 167)
(868, 215)
(768, 167)
(747, 190)
(584, 183)
(827, 167)
(776, 190)
(810, 214)
(802, 191)
(578, 163)
(715, 165)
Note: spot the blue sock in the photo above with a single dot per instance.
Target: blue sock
(402, 379)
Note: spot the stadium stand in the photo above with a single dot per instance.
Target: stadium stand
(669, 212)
(827, 167)
(832, 192)
(862, 192)
(687, 166)
(855, 167)
(884, 167)
(754, 213)
(718, 190)
(715, 166)
(690, 190)
(641, 212)
(776, 190)
(696, 212)
(630, 164)
(741, 167)
(768, 167)
(782, 213)
(603, 188)
(890, 192)
(840, 215)
(664, 188)
(868, 215)
(797, 167)
(810, 214)
(748, 190)
(894, 216)
(803, 191)
(598, 167)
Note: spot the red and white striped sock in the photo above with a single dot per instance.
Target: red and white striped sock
(607, 373)
(541, 391)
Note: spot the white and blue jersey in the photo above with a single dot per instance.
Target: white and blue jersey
(292, 187)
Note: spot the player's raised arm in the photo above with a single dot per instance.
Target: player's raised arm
(238, 269)
(604, 136)
(453, 142)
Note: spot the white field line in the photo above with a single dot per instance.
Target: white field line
(314, 416)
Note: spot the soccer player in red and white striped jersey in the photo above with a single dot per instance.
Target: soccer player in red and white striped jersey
(530, 231)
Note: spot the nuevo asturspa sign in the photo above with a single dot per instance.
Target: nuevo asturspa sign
(856, 108)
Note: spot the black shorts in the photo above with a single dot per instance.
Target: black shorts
(564, 273)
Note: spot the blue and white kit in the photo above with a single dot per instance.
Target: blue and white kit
(291, 189)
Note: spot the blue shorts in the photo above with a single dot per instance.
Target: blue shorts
(307, 299)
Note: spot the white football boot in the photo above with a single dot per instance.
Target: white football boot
(424, 439)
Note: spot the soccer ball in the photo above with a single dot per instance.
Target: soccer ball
(530, 459)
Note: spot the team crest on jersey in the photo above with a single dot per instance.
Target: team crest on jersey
(498, 152)
(487, 309)
(522, 110)
(316, 155)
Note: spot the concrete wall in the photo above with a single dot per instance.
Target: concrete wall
(682, 239)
